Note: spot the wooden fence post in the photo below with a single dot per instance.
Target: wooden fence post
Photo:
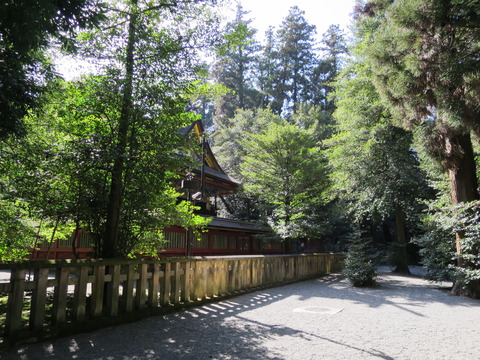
(39, 299)
(98, 290)
(141, 289)
(154, 286)
(177, 285)
(60, 296)
(186, 282)
(167, 284)
(80, 294)
(128, 289)
(13, 321)
(113, 289)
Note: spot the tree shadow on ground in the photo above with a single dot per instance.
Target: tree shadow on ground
(227, 330)
(405, 292)
(214, 331)
(206, 332)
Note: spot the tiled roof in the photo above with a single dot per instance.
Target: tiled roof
(222, 223)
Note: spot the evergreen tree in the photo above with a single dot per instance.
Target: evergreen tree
(266, 69)
(296, 59)
(228, 140)
(426, 66)
(334, 49)
(360, 268)
(234, 66)
(229, 148)
(374, 169)
(425, 60)
(321, 122)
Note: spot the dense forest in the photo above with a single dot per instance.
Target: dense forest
(368, 136)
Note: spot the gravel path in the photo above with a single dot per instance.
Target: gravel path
(405, 317)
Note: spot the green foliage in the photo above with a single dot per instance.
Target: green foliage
(251, 136)
(314, 118)
(229, 136)
(467, 270)
(26, 28)
(266, 68)
(375, 172)
(60, 170)
(296, 60)
(152, 53)
(374, 168)
(325, 73)
(147, 240)
(397, 256)
(424, 57)
(451, 65)
(228, 146)
(359, 265)
(108, 143)
(37, 190)
(16, 236)
(437, 241)
(439, 255)
(234, 66)
(285, 170)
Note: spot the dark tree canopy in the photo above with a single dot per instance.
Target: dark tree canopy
(26, 27)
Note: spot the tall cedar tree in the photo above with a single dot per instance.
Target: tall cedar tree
(426, 61)
(266, 68)
(296, 60)
(26, 27)
(234, 64)
(334, 48)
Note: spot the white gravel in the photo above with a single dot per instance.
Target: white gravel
(405, 317)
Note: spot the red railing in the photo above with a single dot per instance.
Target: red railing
(214, 242)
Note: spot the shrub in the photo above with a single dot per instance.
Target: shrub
(437, 252)
(360, 268)
(467, 271)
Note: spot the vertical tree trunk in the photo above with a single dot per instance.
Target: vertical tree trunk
(114, 207)
(462, 171)
(463, 187)
(401, 256)
(241, 76)
(288, 239)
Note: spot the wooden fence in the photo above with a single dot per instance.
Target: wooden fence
(44, 298)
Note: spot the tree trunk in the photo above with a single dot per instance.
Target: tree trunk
(401, 248)
(114, 207)
(241, 85)
(461, 168)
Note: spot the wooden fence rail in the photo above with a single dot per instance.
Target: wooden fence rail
(45, 297)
